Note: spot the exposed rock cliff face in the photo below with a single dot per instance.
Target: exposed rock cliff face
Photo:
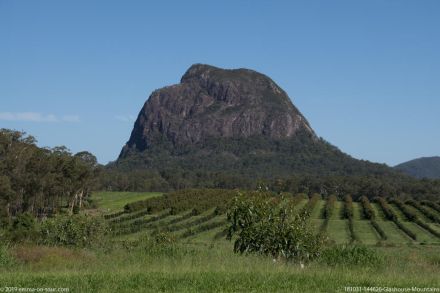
(214, 102)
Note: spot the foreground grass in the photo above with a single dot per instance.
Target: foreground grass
(206, 266)
(113, 201)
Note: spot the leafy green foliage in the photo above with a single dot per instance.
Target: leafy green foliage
(23, 228)
(264, 226)
(41, 181)
(76, 231)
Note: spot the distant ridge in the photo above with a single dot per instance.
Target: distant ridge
(427, 167)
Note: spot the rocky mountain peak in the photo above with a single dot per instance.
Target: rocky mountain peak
(214, 102)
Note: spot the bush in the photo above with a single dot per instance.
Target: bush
(23, 228)
(266, 228)
(76, 230)
(352, 255)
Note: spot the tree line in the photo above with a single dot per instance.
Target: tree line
(42, 181)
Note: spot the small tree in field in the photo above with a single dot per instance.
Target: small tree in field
(266, 227)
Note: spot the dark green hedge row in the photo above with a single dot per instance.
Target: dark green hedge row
(328, 211)
(379, 230)
(187, 225)
(409, 214)
(129, 216)
(413, 217)
(430, 215)
(114, 215)
(329, 207)
(348, 214)
(308, 208)
(203, 228)
(369, 214)
(138, 225)
(367, 209)
(182, 200)
(431, 204)
(390, 215)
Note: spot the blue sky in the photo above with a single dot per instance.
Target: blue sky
(366, 74)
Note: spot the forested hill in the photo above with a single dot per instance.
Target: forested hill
(428, 167)
(238, 125)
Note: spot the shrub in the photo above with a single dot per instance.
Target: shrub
(76, 230)
(23, 228)
(352, 255)
(266, 228)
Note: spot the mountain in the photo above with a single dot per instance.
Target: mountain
(233, 124)
(428, 167)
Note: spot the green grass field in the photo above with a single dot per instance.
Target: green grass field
(202, 260)
(113, 201)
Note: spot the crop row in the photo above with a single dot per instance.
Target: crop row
(369, 214)
(307, 209)
(367, 209)
(348, 214)
(114, 215)
(431, 204)
(203, 228)
(129, 216)
(390, 215)
(298, 198)
(138, 225)
(328, 211)
(187, 225)
(410, 215)
(179, 201)
(430, 215)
